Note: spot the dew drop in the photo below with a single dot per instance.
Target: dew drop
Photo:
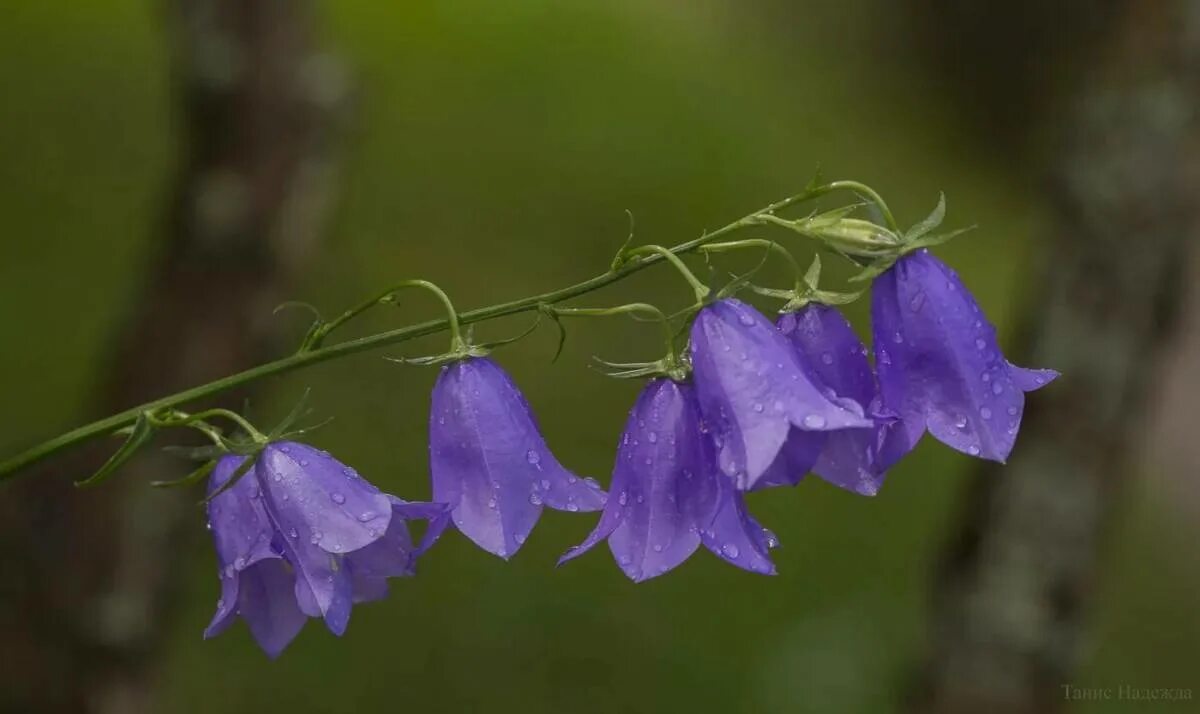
(658, 547)
(746, 320)
(973, 450)
(898, 338)
(337, 498)
(814, 421)
(239, 564)
(960, 421)
(997, 388)
(985, 377)
(758, 407)
(572, 507)
(545, 484)
(519, 538)
(652, 437)
(533, 457)
(980, 343)
(985, 412)
(623, 498)
(304, 462)
(1012, 411)
(366, 516)
(827, 358)
(491, 503)
(730, 550)
(293, 534)
(917, 302)
(535, 499)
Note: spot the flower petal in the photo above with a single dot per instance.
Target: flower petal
(311, 492)
(734, 535)
(1029, 380)
(938, 360)
(242, 534)
(753, 390)
(831, 350)
(267, 603)
(797, 457)
(490, 463)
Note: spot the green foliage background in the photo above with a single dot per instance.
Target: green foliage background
(494, 149)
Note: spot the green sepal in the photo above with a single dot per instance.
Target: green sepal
(137, 436)
(194, 477)
(929, 223)
(241, 471)
(936, 239)
(874, 269)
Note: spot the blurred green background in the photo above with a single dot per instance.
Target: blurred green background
(494, 148)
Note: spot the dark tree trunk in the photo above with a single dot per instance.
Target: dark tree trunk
(86, 596)
(1011, 599)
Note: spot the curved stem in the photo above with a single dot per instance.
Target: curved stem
(865, 190)
(760, 243)
(627, 309)
(318, 354)
(700, 288)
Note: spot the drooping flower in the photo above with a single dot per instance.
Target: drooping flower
(855, 459)
(302, 535)
(754, 392)
(489, 462)
(667, 497)
(939, 365)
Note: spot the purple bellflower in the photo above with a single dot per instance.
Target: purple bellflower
(301, 535)
(855, 459)
(488, 459)
(939, 365)
(667, 497)
(754, 392)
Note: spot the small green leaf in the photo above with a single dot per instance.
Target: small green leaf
(930, 222)
(139, 435)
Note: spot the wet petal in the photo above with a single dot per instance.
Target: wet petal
(837, 358)
(753, 390)
(268, 605)
(734, 535)
(311, 492)
(939, 363)
(242, 534)
(489, 462)
(1029, 380)
(797, 457)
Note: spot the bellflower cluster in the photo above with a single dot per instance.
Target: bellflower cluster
(738, 404)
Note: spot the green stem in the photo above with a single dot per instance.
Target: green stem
(627, 309)
(318, 354)
(865, 190)
(760, 243)
(699, 287)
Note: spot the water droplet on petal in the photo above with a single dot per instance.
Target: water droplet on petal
(533, 457)
(623, 498)
(519, 538)
(980, 343)
(827, 358)
(985, 412)
(917, 302)
(960, 421)
(572, 507)
(658, 547)
(337, 498)
(545, 484)
(535, 499)
(758, 407)
(814, 421)
(997, 388)
(304, 462)
(366, 516)
(652, 437)
(1012, 411)
(973, 450)
(746, 320)
(730, 550)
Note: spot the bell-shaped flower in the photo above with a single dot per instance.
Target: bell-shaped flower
(754, 393)
(489, 462)
(302, 535)
(855, 459)
(938, 362)
(666, 496)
